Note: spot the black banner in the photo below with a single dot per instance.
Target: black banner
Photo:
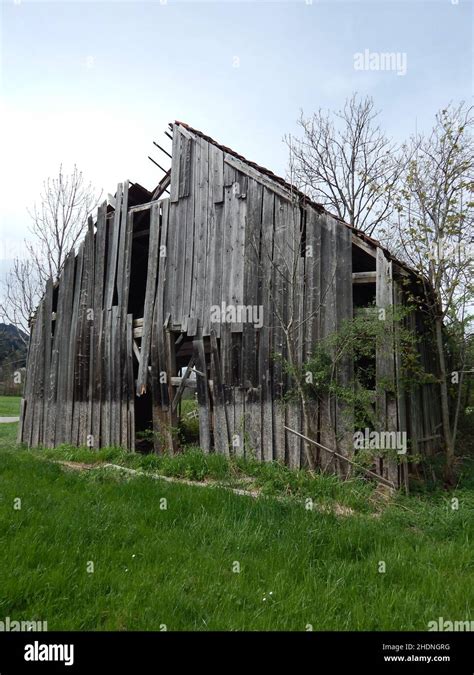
(59, 652)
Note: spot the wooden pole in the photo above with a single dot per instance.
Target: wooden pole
(380, 479)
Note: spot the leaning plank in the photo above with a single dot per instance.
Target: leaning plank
(182, 385)
(113, 251)
(249, 171)
(122, 246)
(373, 475)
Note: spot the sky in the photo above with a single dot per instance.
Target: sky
(95, 83)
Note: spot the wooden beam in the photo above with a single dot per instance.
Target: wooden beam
(380, 479)
(358, 241)
(259, 177)
(162, 149)
(364, 277)
(136, 351)
(182, 384)
(162, 185)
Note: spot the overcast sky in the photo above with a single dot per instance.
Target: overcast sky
(94, 83)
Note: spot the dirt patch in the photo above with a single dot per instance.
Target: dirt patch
(336, 508)
(76, 466)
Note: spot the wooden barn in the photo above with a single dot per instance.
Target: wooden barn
(193, 287)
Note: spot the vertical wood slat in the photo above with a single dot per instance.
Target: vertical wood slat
(113, 250)
(159, 359)
(115, 377)
(63, 345)
(47, 339)
(30, 385)
(266, 332)
(239, 421)
(216, 174)
(106, 381)
(175, 150)
(250, 335)
(37, 392)
(130, 383)
(281, 299)
(385, 361)
(201, 230)
(99, 281)
(327, 328)
(312, 311)
(202, 394)
(345, 370)
(85, 328)
(185, 163)
(225, 264)
(221, 426)
(150, 293)
(122, 249)
(127, 387)
(72, 372)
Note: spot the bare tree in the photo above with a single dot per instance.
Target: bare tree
(435, 230)
(59, 222)
(21, 294)
(345, 162)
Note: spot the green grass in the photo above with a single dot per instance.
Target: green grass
(174, 566)
(9, 406)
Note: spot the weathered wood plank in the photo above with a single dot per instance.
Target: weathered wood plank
(112, 252)
(63, 346)
(48, 344)
(250, 338)
(99, 281)
(185, 161)
(202, 394)
(216, 174)
(221, 422)
(73, 372)
(175, 164)
(345, 370)
(150, 293)
(328, 301)
(265, 289)
(242, 167)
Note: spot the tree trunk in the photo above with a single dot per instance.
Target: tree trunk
(448, 439)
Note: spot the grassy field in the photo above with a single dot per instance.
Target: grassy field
(177, 566)
(9, 406)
